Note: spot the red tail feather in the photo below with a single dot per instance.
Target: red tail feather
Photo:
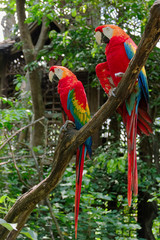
(79, 172)
(144, 126)
(145, 115)
(131, 128)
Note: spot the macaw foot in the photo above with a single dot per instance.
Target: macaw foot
(111, 92)
(66, 125)
(120, 74)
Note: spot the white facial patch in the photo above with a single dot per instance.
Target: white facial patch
(58, 72)
(51, 74)
(98, 37)
(108, 32)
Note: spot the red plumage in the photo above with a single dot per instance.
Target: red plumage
(74, 102)
(119, 50)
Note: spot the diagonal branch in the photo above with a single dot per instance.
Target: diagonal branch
(20, 130)
(43, 36)
(17, 169)
(69, 141)
(28, 48)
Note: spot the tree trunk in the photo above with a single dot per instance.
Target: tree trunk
(147, 212)
(38, 107)
(30, 53)
(145, 152)
(114, 129)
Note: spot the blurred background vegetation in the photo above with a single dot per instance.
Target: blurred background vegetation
(104, 211)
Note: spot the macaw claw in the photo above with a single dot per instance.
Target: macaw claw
(67, 124)
(119, 74)
(111, 92)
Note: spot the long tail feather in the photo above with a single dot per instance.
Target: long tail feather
(145, 115)
(131, 128)
(81, 153)
(136, 123)
(143, 122)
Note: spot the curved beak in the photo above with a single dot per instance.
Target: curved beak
(98, 37)
(105, 39)
(53, 77)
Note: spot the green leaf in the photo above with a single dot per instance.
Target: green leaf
(9, 226)
(30, 234)
(2, 199)
(74, 12)
(111, 166)
(64, 61)
(18, 86)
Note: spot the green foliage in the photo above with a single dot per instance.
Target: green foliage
(6, 203)
(104, 213)
(62, 43)
(14, 110)
(11, 117)
(9, 226)
(29, 234)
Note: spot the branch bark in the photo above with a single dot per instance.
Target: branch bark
(42, 37)
(20, 130)
(70, 140)
(28, 47)
(30, 55)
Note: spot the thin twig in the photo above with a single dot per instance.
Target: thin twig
(20, 130)
(17, 157)
(54, 219)
(15, 165)
(36, 163)
(51, 232)
(45, 142)
(40, 177)
(3, 163)
(24, 156)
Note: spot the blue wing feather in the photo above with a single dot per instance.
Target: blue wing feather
(130, 49)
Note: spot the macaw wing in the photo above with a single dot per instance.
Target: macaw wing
(104, 77)
(142, 80)
(130, 48)
(78, 105)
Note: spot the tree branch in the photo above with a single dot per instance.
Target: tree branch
(43, 36)
(15, 165)
(20, 130)
(69, 141)
(28, 48)
(34, 76)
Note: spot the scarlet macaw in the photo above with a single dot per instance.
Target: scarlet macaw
(74, 102)
(119, 50)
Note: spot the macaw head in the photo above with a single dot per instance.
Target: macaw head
(59, 72)
(104, 33)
